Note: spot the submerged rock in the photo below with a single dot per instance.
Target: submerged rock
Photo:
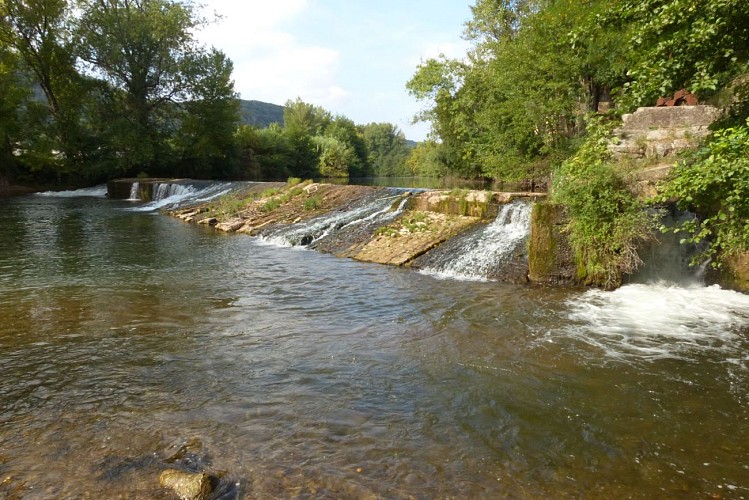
(187, 485)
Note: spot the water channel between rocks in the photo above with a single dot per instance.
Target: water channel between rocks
(131, 342)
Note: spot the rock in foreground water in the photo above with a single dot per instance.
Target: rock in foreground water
(187, 485)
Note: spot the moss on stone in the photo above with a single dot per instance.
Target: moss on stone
(550, 257)
(542, 245)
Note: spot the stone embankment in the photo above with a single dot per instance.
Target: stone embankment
(652, 138)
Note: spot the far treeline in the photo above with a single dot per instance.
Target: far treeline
(96, 89)
(530, 100)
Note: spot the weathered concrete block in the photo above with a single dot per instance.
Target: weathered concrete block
(670, 117)
(734, 273)
(551, 259)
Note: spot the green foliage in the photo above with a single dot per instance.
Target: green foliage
(416, 222)
(518, 99)
(267, 193)
(271, 205)
(387, 150)
(312, 203)
(204, 140)
(606, 220)
(678, 43)
(334, 156)
(293, 181)
(714, 183)
(428, 160)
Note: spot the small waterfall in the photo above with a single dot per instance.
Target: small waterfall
(134, 192)
(313, 231)
(481, 254)
(92, 192)
(171, 195)
(667, 259)
(164, 190)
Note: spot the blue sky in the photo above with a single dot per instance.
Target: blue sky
(350, 57)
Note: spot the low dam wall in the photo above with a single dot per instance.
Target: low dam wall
(478, 235)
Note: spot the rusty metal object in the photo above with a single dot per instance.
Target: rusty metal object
(681, 97)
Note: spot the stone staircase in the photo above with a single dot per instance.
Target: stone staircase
(653, 137)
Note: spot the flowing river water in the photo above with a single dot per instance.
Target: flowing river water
(130, 340)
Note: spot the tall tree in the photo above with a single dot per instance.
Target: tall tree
(205, 140)
(387, 149)
(302, 122)
(39, 32)
(143, 49)
(13, 94)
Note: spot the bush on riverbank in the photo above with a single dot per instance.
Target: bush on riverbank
(714, 183)
(607, 221)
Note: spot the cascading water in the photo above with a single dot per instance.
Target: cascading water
(669, 260)
(313, 231)
(92, 192)
(480, 254)
(665, 310)
(173, 195)
(134, 192)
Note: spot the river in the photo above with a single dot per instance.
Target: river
(130, 341)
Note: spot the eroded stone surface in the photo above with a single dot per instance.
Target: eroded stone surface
(414, 234)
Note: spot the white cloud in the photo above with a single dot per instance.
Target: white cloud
(270, 64)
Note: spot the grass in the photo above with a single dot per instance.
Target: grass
(312, 203)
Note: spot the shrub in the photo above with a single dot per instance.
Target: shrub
(271, 205)
(714, 183)
(606, 220)
(312, 203)
(270, 192)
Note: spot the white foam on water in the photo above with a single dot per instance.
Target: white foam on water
(451, 274)
(479, 254)
(659, 321)
(171, 196)
(93, 192)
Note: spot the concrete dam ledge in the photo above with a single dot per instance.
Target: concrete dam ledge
(514, 237)
(426, 230)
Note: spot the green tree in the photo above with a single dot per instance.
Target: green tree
(386, 146)
(13, 94)
(302, 122)
(677, 43)
(39, 33)
(205, 139)
(265, 154)
(144, 50)
(515, 104)
(345, 131)
(335, 156)
(427, 160)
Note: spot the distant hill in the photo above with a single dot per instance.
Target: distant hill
(260, 114)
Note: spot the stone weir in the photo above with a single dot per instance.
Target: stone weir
(147, 189)
(384, 225)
